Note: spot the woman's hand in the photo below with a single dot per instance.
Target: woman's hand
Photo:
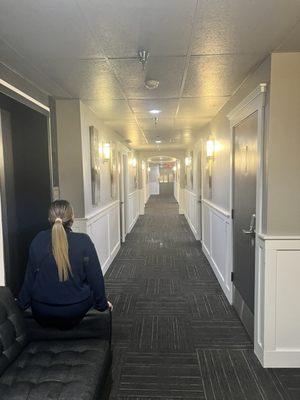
(110, 306)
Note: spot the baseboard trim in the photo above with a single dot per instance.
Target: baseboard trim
(243, 311)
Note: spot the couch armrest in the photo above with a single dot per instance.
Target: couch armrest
(95, 325)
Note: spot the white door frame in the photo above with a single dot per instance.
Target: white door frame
(123, 196)
(254, 102)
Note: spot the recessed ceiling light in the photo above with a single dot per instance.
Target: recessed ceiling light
(154, 111)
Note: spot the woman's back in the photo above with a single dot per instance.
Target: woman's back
(63, 275)
(46, 285)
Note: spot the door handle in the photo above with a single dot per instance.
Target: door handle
(251, 230)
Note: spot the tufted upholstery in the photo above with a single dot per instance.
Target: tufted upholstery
(64, 370)
(13, 337)
(65, 365)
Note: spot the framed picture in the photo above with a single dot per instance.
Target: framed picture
(191, 170)
(113, 172)
(95, 165)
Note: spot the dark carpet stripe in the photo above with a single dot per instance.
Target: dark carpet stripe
(175, 336)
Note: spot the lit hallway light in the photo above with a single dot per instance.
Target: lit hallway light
(210, 148)
(106, 151)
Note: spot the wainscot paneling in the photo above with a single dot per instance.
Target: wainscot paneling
(192, 213)
(153, 188)
(142, 201)
(277, 301)
(133, 209)
(104, 229)
(217, 243)
(177, 191)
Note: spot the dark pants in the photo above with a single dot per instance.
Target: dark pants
(60, 316)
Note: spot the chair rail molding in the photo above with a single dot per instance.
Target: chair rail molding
(103, 226)
(217, 243)
(277, 305)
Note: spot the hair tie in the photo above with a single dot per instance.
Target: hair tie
(58, 220)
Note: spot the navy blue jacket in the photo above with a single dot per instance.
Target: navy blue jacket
(41, 281)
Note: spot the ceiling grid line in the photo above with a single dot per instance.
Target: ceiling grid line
(112, 70)
(188, 56)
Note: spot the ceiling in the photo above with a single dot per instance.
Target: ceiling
(200, 51)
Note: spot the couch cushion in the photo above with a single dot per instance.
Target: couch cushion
(64, 370)
(12, 329)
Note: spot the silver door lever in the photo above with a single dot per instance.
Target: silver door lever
(251, 230)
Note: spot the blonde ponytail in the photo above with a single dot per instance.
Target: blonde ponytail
(61, 217)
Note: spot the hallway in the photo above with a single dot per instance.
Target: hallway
(175, 336)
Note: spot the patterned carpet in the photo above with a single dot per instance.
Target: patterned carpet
(175, 336)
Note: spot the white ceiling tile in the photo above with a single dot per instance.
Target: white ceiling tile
(122, 27)
(235, 26)
(60, 46)
(21, 66)
(172, 126)
(168, 70)
(200, 106)
(110, 109)
(167, 107)
(46, 29)
(84, 79)
(217, 75)
(128, 129)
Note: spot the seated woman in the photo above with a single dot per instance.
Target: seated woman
(63, 279)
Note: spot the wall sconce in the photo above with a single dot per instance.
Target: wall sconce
(106, 151)
(210, 148)
(187, 161)
(133, 162)
(174, 168)
(143, 165)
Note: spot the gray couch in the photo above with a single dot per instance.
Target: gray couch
(38, 363)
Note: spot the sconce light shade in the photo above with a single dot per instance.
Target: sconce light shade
(133, 162)
(149, 169)
(210, 148)
(106, 151)
(188, 161)
(143, 165)
(174, 168)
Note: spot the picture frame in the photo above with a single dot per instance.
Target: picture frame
(95, 166)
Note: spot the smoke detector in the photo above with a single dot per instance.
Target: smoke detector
(151, 84)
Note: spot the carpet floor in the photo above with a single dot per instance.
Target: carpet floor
(175, 336)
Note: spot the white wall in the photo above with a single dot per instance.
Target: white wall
(102, 221)
(190, 195)
(277, 307)
(133, 209)
(283, 146)
(69, 149)
(216, 243)
(215, 213)
(104, 229)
